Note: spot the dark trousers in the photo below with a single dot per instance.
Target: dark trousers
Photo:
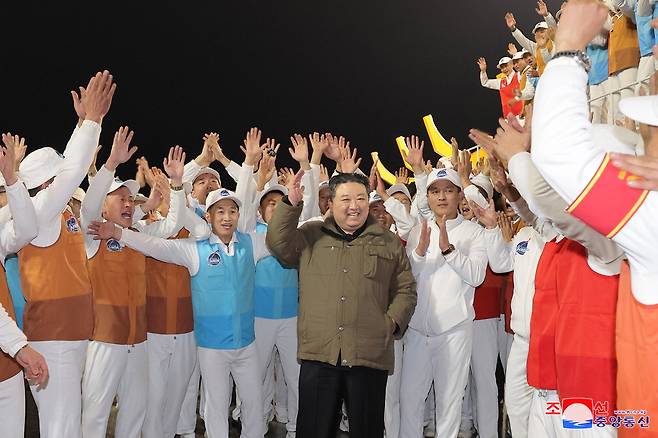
(322, 387)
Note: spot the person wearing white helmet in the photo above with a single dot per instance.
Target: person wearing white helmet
(449, 260)
(58, 317)
(16, 353)
(506, 85)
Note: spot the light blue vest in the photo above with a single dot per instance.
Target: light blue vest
(645, 33)
(655, 15)
(276, 293)
(599, 57)
(223, 295)
(15, 289)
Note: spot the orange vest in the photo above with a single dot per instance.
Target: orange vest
(168, 296)
(507, 88)
(637, 356)
(487, 296)
(56, 287)
(623, 45)
(585, 356)
(572, 326)
(118, 278)
(539, 59)
(8, 366)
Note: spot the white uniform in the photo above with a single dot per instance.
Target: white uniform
(438, 343)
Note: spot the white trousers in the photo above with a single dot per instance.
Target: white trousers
(518, 394)
(12, 406)
(504, 342)
(646, 68)
(467, 406)
(392, 402)
(217, 367)
(484, 358)
(114, 370)
(171, 362)
(275, 389)
(187, 419)
(623, 80)
(58, 401)
(543, 425)
(282, 334)
(597, 106)
(444, 360)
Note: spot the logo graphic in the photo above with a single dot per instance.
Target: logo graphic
(113, 245)
(441, 173)
(522, 247)
(224, 193)
(214, 259)
(72, 225)
(577, 413)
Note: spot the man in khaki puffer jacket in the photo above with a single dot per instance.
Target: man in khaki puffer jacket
(356, 295)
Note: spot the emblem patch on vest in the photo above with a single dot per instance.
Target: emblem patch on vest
(522, 247)
(214, 259)
(72, 225)
(113, 245)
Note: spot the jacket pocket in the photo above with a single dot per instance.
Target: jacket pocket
(377, 260)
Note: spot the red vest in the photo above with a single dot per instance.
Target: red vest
(487, 296)
(575, 308)
(507, 88)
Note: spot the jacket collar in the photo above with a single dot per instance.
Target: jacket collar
(372, 228)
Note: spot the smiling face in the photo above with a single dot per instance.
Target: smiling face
(506, 68)
(324, 196)
(204, 184)
(119, 207)
(350, 206)
(444, 198)
(465, 210)
(223, 218)
(378, 211)
(268, 204)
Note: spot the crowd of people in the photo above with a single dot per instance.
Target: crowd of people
(322, 298)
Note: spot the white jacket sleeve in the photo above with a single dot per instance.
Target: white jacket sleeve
(499, 252)
(403, 220)
(310, 196)
(421, 196)
(178, 251)
(20, 231)
(245, 191)
(12, 338)
(494, 84)
(472, 267)
(171, 224)
(527, 44)
(199, 229)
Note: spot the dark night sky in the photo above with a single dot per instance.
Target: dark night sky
(368, 70)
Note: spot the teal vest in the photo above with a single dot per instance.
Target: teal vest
(15, 289)
(276, 293)
(599, 57)
(223, 295)
(645, 33)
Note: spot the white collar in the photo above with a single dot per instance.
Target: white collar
(214, 238)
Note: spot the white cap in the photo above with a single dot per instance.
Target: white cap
(219, 195)
(446, 162)
(519, 55)
(374, 197)
(643, 109)
(504, 60)
(141, 198)
(130, 183)
(540, 25)
(208, 170)
(484, 183)
(399, 188)
(439, 174)
(40, 166)
(323, 185)
(78, 195)
(273, 188)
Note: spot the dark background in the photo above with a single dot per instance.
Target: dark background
(365, 69)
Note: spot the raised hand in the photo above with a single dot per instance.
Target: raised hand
(581, 21)
(34, 364)
(98, 97)
(349, 162)
(174, 165)
(498, 176)
(486, 216)
(266, 170)
(121, 149)
(465, 168)
(319, 144)
(415, 155)
(444, 241)
(324, 173)
(511, 49)
(454, 157)
(159, 191)
(505, 224)
(402, 176)
(295, 192)
(332, 151)
(424, 239)
(299, 150)
(78, 106)
(104, 230)
(482, 63)
(286, 176)
(20, 148)
(541, 8)
(92, 171)
(252, 148)
(8, 159)
(510, 21)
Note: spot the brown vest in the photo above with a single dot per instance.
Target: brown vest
(56, 287)
(8, 366)
(623, 46)
(168, 296)
(119, 282)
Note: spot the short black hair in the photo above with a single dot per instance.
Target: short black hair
(344, 178)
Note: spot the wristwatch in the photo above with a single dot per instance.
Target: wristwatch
(581, 58)
(450, 249)
(176, 188)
